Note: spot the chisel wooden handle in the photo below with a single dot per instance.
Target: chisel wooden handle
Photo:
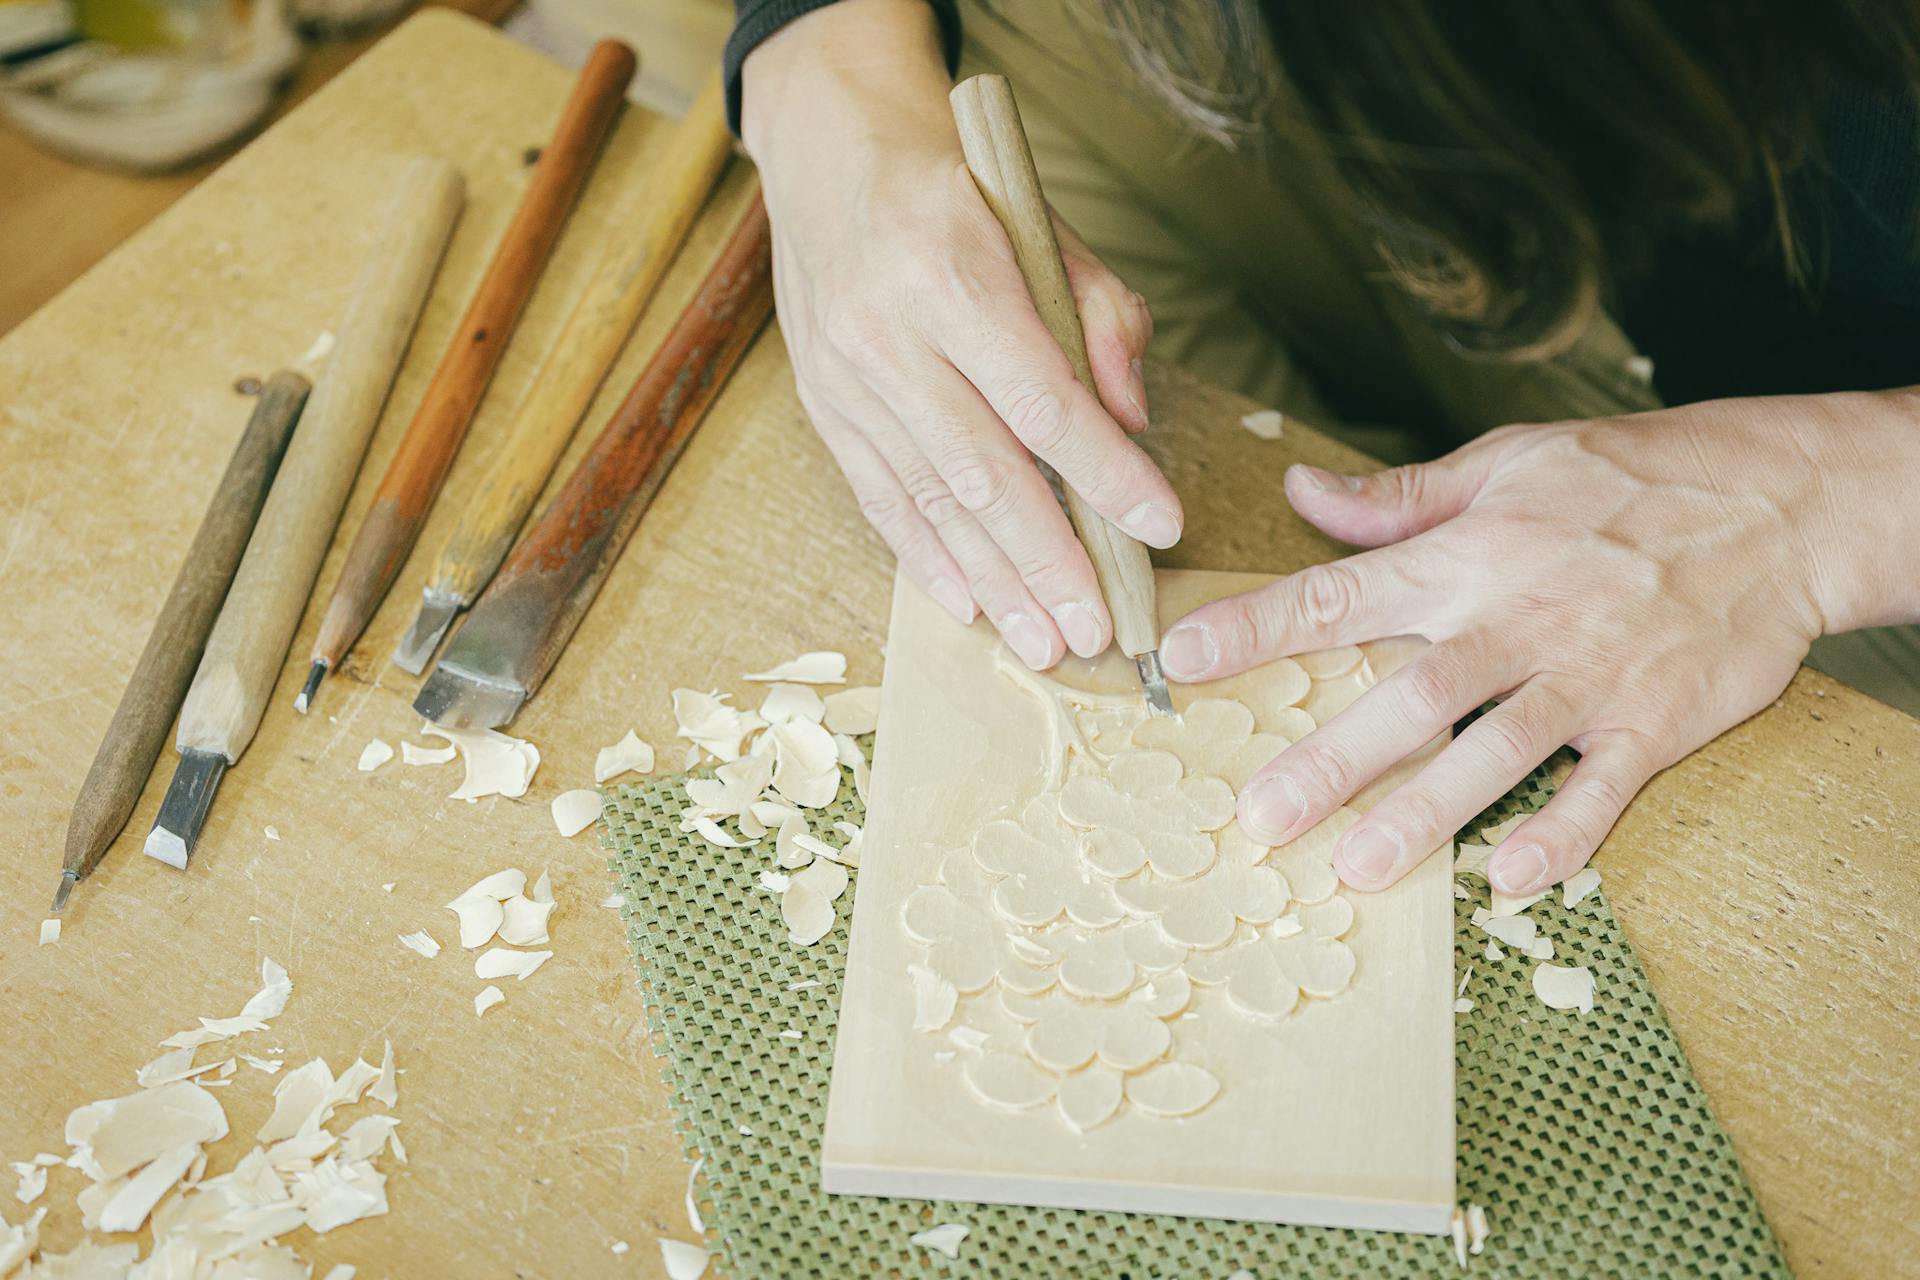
(159, 682)
(625, 279)
(249, 644)
(433, 437)
(995, 144)
(533, 605)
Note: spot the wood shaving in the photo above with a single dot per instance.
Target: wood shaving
(853, 711)
(1477, 1230)
(543, 887)
(33, 1180)
(422, 942)
(1578, 886)
(1564, 987)
(819, 667)
(1493, 951)
(709, 723)
(1457, 1229)
(1471, 859)
(694, 1219)
(614, 901)
(17, 1244)
(275, 987)
(575, 811)
(525, 922)
(49, 932)
(268, 1065)
(774, 881)
(1264, 423)
(480, 918)
(500, 886)
(806, 767)
(824, 877)
(791, 702)
(374, 754)
(489, 996)
(808, 916)
(386, 1090)
(715, 834)
(1517, 932)
(683, 1261)
(414, 753)
(1506, 904)
(497, 765)
(272, 832)
(629, 755)
(500, 962)
(944, 1238)
(1463, 1005)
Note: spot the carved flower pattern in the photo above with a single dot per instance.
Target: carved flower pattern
(1148, 813)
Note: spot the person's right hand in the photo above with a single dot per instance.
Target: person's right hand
(916, 348)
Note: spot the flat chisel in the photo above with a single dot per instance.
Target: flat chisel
(262, 611)
(520, 625)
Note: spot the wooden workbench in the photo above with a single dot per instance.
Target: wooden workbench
(1769, 882)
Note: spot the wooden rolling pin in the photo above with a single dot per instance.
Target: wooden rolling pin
(249, 643)
(995, 144)
(426, 451)
(139, 726)
(531, 608)
(624, 280)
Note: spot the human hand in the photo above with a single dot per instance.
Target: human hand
(916, 349)
(1630, 586)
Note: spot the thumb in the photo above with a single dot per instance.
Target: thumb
(1391, 505)
(1117, 326)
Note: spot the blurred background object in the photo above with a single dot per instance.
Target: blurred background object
(110, 110)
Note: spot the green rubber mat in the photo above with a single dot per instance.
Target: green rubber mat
(1586, 1139)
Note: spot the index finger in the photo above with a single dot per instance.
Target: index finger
(1385, 592)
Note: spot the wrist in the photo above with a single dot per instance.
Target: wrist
(850, 71)
(1862, 528)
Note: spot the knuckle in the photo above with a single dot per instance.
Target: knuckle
(979, 482)
(1433, 688)
(1606, 796)
(1326, 596)
(1513, 740)
(1035, 413)
(934, 501)
(1422, 811)
(1330, 768)
(886, 509)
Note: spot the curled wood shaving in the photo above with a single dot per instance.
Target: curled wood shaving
(500, 962)
(1564, 987)
(629, 755)
(422, 942)
(525, 923)
(489, 996)
(944, 1238)
(1264, 423)
(575, 811)
(1578, 886)
(497, 765)
(49, 932)
(374, 754)
(853, 711)
(683, 1261)
(819, 667)
(414, 753)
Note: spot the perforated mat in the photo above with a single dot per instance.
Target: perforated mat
(1586, 1139)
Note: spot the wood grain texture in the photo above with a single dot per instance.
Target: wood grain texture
(661, 211)
(540, 1135)
(161, 677)
(525, 618)
(1002, 164)
(419, 467)
(1340, 1113)
(275, 581)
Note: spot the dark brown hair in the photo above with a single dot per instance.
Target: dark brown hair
(1510, 153)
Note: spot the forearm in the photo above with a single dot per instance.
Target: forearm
(869, 65)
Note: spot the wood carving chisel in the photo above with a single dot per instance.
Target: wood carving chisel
(624, 280)
(159, 682)
(262, 611)
(995, 145)
(518, 628)
(420, 464)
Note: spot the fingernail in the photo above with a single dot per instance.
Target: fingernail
(1522, 870)
(952, 597)
(1272, 807)
(1371, 853)
(1137, 389)
(1188, 651)
(1153, 524)
(1328, 482)
(1024, 636)
(1081, 627)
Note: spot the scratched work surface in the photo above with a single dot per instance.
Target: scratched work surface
(1768, 882)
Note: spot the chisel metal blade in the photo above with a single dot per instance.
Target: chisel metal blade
(437, 612)
(1153, 682)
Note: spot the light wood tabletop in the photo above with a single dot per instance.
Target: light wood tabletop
(1769, 881)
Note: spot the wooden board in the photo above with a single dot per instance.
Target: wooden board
(1308, 1075)
(1768, 881)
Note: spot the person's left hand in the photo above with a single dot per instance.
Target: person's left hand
(1631, 586)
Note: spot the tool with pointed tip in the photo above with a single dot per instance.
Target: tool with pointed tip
(139, 727)
(426, 452)
(626, 277)
(256, 626)
(530, 610)
(995, 144)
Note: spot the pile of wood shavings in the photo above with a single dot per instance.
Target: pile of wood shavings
(776, 763)
(137, 1149)
(1563, 987)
